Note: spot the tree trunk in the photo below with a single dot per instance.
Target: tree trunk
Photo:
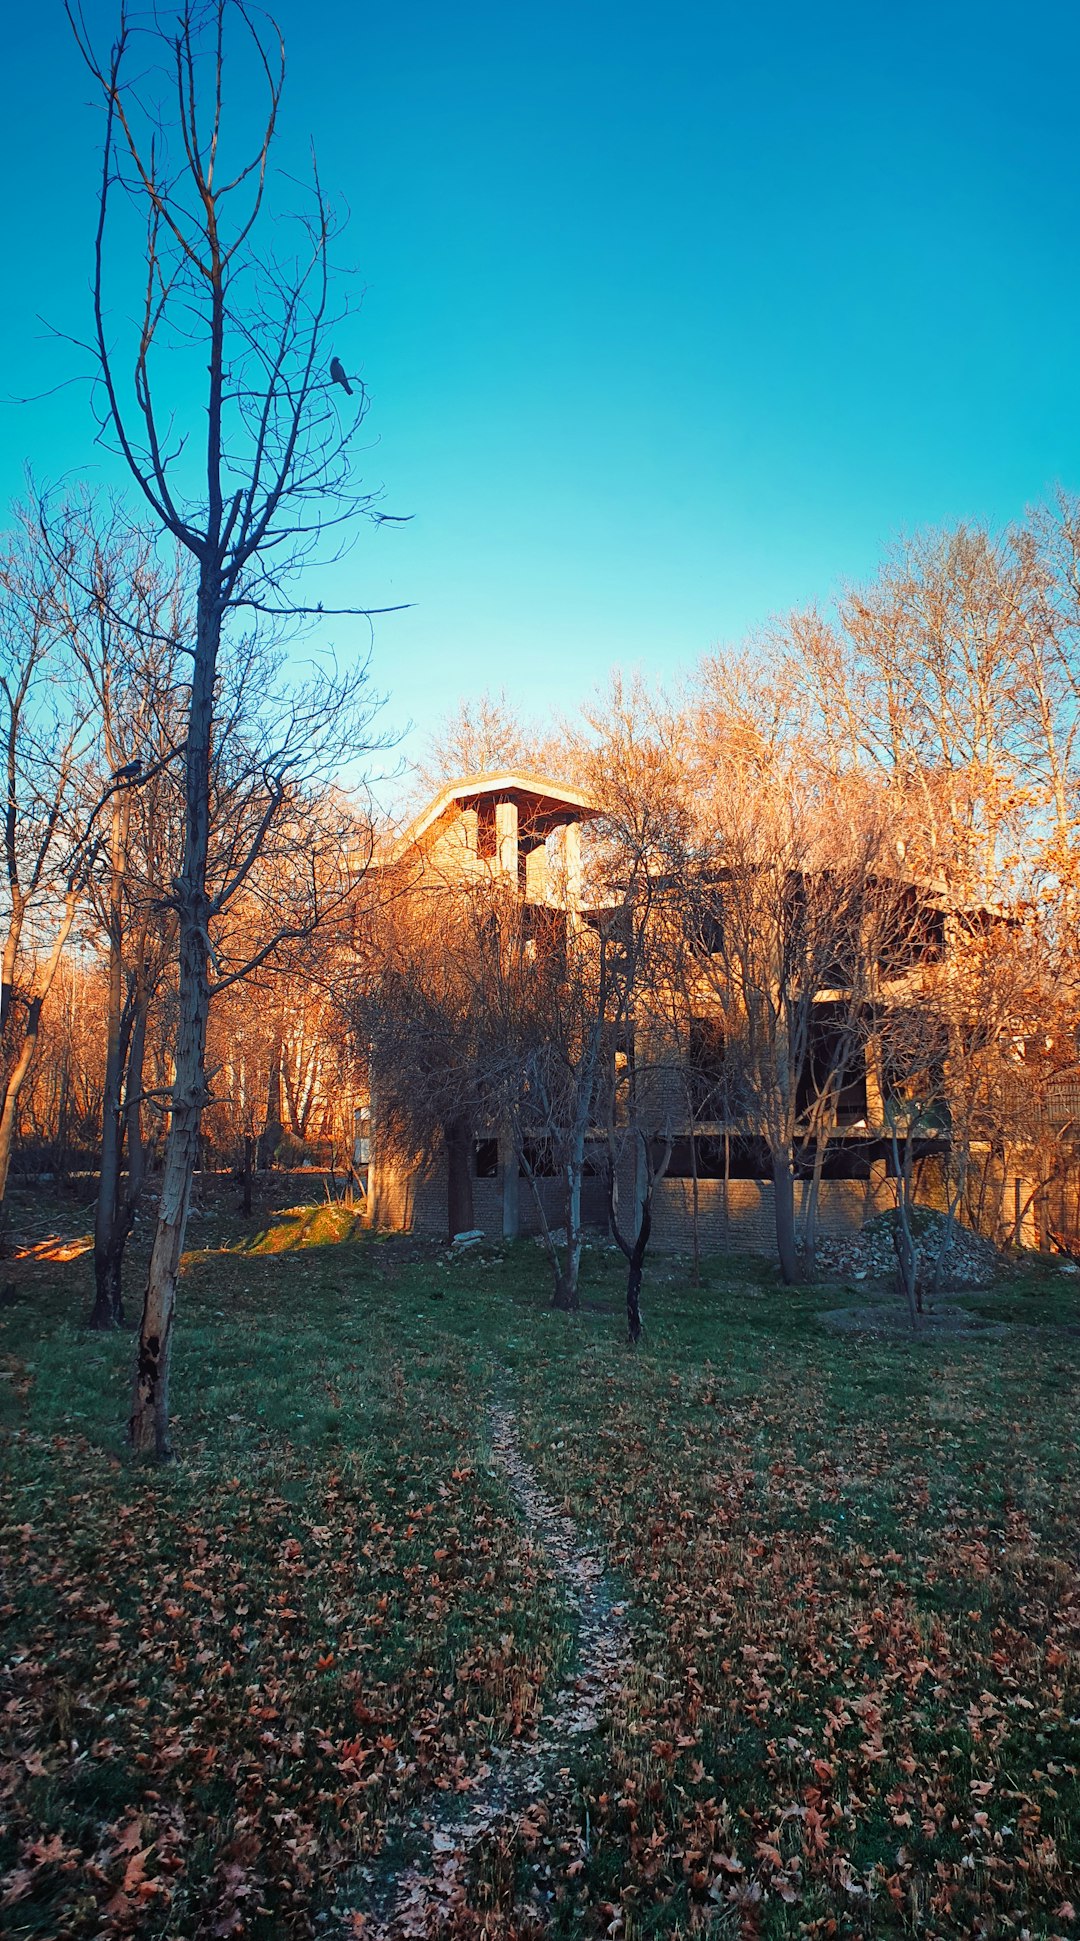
(459, 1176)
(565, 1295)
(1042, 1216)
(150, 1404)
(907, 1259)
(13, 937)
(149, 1424)
(784, 1213)
(564, 1289)
(129, 1201)
(136, 1060)
(63, 1116)
(945, 1239)
(16, 1080)
(107, 1310)
(695, 1230)
(248, 1145)
(812, 1208)
(906, 1262)
(123, 1203)
(635, 1251)
(635, 1272)
(297, 1097)
(17, 1075)
(270, 1137)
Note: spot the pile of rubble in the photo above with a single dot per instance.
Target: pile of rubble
(970, 1261)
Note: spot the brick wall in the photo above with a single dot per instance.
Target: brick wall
(734, 1214)
(739, 1212)
(416, 1202)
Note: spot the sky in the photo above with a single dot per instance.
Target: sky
(673, 317)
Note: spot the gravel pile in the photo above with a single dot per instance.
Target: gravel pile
(970, 1261)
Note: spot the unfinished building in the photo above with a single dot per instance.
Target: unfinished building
(521, 836)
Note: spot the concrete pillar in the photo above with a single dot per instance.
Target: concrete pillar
(508, 1173)
(536, 875)
(365, 1123)
(572, 853)
(506, 839)
(875, 1101)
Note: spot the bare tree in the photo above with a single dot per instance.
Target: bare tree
(484, 734)
(567, 1006)
(643, 1112)
(781, 883)
(942, 675)
(422, 1001)
(481, 1011)
(271, 476)
(957, 1080)
(271, 1023)
(632, 761)
(47, 828)
(127, 618)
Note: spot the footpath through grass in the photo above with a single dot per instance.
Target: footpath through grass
(231, 1688)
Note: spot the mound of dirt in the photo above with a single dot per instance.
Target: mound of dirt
(889, 1316)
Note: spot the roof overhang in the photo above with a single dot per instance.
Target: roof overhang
(547, 803)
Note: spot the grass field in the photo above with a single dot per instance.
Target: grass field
(233, 1690)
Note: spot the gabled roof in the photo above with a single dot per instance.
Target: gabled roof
(547, 800)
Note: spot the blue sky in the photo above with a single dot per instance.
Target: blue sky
(674, 317)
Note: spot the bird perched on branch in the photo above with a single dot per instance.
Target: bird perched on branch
(130, 771)
(337, 375)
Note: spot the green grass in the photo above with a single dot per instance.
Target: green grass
(851, 1564)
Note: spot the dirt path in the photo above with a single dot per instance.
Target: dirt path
(524, 1774)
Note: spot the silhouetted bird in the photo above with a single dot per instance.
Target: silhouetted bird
(337, 375)
(129, 771)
